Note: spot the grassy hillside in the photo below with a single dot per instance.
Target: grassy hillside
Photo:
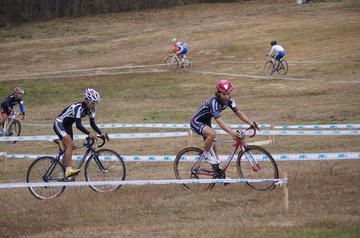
(54, 61)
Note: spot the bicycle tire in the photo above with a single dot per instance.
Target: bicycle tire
(268, 168)
(269, 68)
(14, 130)
(183, 168)
(172, 63)
(36, 173)
(109, 167)
(187, 63)
(283, 68)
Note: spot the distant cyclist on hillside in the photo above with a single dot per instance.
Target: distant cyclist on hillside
(278, 52)
(201, 122)
(7, 106)
(73, 114)
(180, 48)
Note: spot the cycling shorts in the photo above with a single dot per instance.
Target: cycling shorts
(280, 55)
(63, 130)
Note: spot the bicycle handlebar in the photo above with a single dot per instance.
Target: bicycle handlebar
(90, 141)
(253, 127)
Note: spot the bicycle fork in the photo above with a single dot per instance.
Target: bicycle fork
(253, 162)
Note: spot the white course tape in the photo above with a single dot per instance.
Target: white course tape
(234, 126)
(179, 134)
(112, 136)
(140, 182)
(167, 158)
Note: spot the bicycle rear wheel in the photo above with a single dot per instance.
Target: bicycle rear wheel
(171, 62)
(105, 165)
(188, 166)
(256, 163)
(283, 67)
(46, 169)
(14, 130)
(269, 68)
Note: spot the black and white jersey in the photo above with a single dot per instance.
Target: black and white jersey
(75, 111)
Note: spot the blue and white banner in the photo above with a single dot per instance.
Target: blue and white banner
(181, 134)
(170, 158)
(234, 126)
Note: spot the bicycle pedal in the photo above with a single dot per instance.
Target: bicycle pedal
(70, 179)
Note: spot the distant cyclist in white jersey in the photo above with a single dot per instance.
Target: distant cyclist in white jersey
(278, 52)
(73, 114)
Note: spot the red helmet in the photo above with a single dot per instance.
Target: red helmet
(18, 90)
(224, 86)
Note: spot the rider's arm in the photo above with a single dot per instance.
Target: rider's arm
(22, 109)
(243, 117)
(223, 126)
(94, 126)
(80, 127)
(271, 51)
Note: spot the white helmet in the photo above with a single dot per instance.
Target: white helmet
(91, 95)
(173, 40)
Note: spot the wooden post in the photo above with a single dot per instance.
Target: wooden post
(272, 137)
(190, 139)
(3, 159)
(286, 193)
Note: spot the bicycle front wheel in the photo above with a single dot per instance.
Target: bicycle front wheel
(46, 169)
(269, 68)
(172, 63)
(105, 165)
(283, 67)
(188, 166)
(256, 163)
(14, 130)
(187, 62)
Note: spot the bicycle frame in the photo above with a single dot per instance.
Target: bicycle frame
(8, 122)
(239, 143)
(90, 150)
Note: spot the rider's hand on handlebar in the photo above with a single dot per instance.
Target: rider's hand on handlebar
(255, 126)
(23, 116)
(236, 134)
(92, 136)
(105, 136)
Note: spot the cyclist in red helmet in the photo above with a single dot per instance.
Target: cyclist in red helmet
(201, 121)
(7, 106)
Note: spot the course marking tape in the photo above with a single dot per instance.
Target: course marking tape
(140, 182)
(179, 134)
(170, 158)
(234, 126)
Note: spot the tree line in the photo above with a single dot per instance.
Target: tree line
(18, 11)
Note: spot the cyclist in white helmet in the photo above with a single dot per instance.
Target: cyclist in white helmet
(73, 114)
(180, 48)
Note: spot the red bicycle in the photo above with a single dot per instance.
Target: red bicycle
(253, 162)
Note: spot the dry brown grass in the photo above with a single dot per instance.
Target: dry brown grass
(322, 47)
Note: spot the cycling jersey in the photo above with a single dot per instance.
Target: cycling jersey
(180, 48)
(10, 102)
(210, 109)
(279, 50)
(73, 114)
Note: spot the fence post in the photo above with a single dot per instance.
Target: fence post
(286, 193)
(190, 138)
(272, 137)
(298, 1)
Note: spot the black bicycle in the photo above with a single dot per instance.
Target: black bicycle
(282, 66)
(101, 165)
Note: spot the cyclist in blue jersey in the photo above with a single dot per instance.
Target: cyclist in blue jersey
(73, 114)
(201, 122)
(180, 48)
(7, 106)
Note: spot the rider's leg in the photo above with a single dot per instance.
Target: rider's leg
(209, 135)
(3, 118)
